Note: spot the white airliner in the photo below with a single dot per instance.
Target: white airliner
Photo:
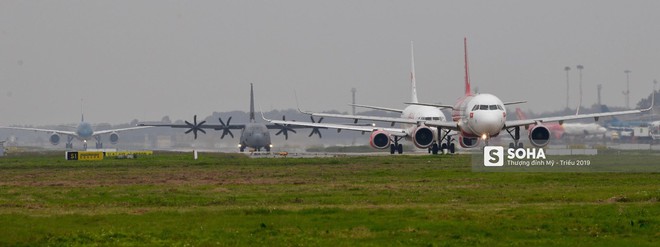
(477, 117)
(84, 132)
(253, 135)
(411, 120)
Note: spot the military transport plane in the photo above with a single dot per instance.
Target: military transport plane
(411, 120)
(477, 117)
(253, 135)
(84, 132)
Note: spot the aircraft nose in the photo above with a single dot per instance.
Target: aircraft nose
(489, 122)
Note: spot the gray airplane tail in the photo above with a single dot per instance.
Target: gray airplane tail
(251, 103)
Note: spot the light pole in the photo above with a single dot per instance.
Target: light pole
(567, 85)
(627, 92)
(580, 67)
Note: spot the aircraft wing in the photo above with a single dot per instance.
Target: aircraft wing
(201, 126)
(338, 127)
(363, 117)
(100, 132)
(561, 119)
(61, 132)
(442, 124)
(378, 108)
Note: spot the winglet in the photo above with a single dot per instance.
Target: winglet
(468, 91)
(262, 115)
(652, 100)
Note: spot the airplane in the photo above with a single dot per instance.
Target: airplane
(618, 124)
(478, 117)
(84, 132)
(569, 129)
(253, 135)
(420, 135)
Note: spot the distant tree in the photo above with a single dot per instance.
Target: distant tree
(166, 119)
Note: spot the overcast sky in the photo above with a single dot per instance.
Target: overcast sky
(147, 59)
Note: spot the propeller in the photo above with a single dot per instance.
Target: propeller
(285, 129)
(225, 128)
(194, 127)
(315, 130)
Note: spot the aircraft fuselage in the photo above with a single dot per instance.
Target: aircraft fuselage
(255, 135)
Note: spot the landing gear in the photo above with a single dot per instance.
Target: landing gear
(516, 137)
(267, 148)
(396, 146)
(241, 147)
(434, 148)
(69, 145)
(448, 145)
(99, 144)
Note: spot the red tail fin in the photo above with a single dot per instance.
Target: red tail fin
(468, 91)
(520, 114)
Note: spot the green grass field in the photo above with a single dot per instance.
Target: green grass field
(229, 199)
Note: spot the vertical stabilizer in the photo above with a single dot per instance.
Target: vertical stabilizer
(468, 91)
(521, 115)
(413, 85)
(82, 114)
(251, 103)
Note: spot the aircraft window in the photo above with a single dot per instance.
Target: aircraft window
(500, 107)
(483, 107)
(476, 107)
(436, 118)
(493, 107)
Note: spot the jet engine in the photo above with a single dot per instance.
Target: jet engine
(54, 139)
(380, 139)
(468, 142)
(423, 137)
(114, 138)
(539, 136)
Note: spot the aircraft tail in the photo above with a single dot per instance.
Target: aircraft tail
(251, 103)
(82, 114)
(413, 84)
(521, 115)
(468, 91)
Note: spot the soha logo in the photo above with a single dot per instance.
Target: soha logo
(493, 156)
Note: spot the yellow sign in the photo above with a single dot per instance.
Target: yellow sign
(127, 153)
(84, 155)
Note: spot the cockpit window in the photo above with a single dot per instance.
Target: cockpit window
(492, 107)
(476, 107)
(483, 107)
(500, 107)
